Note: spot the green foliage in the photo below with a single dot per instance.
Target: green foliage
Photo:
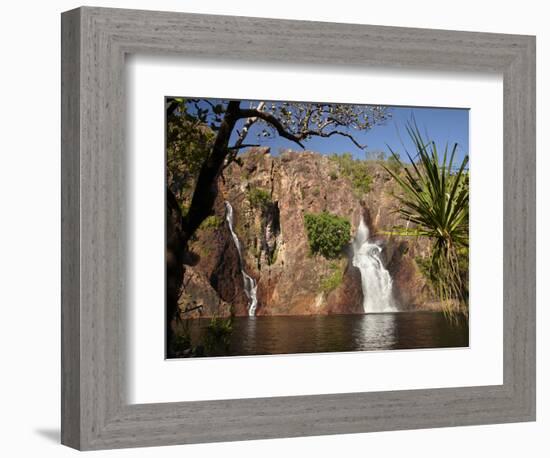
(333, 175)
(218, 336)
(211, 222)
(204, 251)
(272, 259)
(334, 279)
(328, 234)
(394, 163)
(378, 156)
(189, 142)
(435, 282)
(259, 198)
(356, 170)
(423, 265)
(184, 208)
(256, 251)
(435, 199)
(181, 342)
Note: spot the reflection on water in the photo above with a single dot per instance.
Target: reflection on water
(269, 335)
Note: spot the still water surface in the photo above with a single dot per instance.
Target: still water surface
(269, 335)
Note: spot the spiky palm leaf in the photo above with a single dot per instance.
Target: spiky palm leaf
(436, 200)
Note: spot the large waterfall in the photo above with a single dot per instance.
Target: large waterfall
(249, 283)
(376, 281)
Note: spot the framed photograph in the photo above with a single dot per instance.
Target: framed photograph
(285, 228)
(330, 250)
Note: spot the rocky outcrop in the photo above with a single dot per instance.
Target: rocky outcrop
(270, 196)
(199, 297)
(348, 298)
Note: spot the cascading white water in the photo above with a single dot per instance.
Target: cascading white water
(376, 281)
(249, 283)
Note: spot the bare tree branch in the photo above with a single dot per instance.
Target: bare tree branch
(314, 133)
(269, 118)
(233, 151)
(297, 138)
(248, 124)
(244, 145)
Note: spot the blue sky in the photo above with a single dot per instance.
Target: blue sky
(442, 125)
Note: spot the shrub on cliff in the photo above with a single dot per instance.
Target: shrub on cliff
(357, 171)
(259, 198)
(211, 222)
(328, 234)
(334, 278)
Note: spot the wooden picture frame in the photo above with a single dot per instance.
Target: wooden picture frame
(95, 413)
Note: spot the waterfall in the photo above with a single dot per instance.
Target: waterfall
(249, 283)
(376, 281)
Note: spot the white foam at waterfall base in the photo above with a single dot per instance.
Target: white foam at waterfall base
(250, 286)
(376, 281)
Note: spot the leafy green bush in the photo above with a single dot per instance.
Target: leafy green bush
(356, 170)
(182, 342)
(259, 198)
(436, 282)
(394, 163)
(189, 142)
(328, 234)
(424, 265)
(211, 222)
(218, 336)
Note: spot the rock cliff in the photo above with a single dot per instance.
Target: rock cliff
(270, 196)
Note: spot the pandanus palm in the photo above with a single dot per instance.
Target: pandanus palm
(435, 198)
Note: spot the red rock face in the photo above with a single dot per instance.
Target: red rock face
(215, 268)
(274, 242)
(410, 289)
(349, 297)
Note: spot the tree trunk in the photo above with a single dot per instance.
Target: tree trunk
(206, 188)
(180, 229)
(175, 250)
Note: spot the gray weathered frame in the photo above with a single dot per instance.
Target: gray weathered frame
(95, 414)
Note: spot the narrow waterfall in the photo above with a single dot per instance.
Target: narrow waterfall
(249, 283)
(376, 281)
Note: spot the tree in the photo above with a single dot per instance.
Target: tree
(328, 234)
(435, 198)
(209, 155)
(188, 143)
(296, 122)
